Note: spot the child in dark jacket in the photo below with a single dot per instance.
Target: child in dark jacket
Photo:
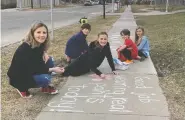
(77, 44)
(128, 51)
(92, 59)
(142, 43)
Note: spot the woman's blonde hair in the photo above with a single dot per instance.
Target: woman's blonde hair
(136, 36)
(30, 36)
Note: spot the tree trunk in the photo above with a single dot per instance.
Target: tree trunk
(40, 3)
(32, 4)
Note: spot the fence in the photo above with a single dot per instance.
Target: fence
(8, 4)
(36, 3)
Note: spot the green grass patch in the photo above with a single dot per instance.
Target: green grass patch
(121, 10)
(166, 34)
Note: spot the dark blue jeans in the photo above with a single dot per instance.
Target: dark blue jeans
(43, 80)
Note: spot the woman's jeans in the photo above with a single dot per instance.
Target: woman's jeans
(43, 80)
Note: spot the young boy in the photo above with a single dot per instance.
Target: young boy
(77, 44)
(128, 51)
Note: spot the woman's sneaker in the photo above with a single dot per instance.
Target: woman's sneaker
(25, 94)
(49, 89)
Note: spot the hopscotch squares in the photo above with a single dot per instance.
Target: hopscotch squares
(115, 41)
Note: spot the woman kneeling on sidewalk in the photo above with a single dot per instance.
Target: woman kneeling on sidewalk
(92, 59)
(31, 67)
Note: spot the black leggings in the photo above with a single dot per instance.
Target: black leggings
(126, 53)
(78, 67)
(141, 54)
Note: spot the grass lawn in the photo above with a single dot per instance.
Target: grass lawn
(16, 108)
(171, 8)
(121, 10)
(136, 8)
(167, 39)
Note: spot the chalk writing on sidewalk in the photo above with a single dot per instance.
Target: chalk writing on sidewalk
(139, 83)
(143, 97)
(111, 96)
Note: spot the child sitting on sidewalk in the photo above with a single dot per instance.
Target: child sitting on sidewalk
(92, 59)
(142, 44)
(77, 44)
(128, 51)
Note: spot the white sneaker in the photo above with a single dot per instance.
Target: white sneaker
(117, 61)
(121, 67)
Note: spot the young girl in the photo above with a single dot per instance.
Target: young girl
(31, 66)
(92, 59)
(142, 44)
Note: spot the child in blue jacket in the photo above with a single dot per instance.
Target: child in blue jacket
(77, 44)
(142, 43)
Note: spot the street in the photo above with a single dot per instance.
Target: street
(15, 24)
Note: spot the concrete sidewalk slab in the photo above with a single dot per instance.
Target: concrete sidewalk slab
(144, 67)
(121, 94)
(151, 12)
(76, 116)
(134, 94)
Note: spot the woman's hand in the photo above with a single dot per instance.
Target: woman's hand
(57, 70)
(68, 59)
(102, 76)
(45, 57)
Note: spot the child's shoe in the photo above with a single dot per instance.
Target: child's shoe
(25, 94)
(127, 62)
(49, 89)
(117, 61)
(121, 67)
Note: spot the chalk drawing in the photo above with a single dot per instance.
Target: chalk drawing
(139, 82)
(145, 97)
(61, 110)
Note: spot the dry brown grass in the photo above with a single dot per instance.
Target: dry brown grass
(166, 35)
(171, 8)
(137, 8)
(121, 10)
(16, 108)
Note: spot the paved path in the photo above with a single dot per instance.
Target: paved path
(151, 12)
(134, 94)
(154, 12)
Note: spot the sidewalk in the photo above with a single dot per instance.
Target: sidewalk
(153, 12)
(134, 94)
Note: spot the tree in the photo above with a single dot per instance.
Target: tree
(103, 9)
(32, 4)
